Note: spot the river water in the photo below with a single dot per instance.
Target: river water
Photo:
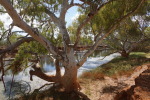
(22, 83)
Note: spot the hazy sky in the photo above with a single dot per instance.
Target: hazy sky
(71, 15)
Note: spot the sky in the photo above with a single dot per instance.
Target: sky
(71, 15)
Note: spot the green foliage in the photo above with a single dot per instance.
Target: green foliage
(20, 62)
(34, 13)
(129, 36)
(86, 37)
(118, 66)
(14, 37)
(2, 34)
(110, 14)
(26, 52)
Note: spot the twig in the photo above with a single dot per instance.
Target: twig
(45, 85)
(37, 90)
(2, 69)
(11, 85)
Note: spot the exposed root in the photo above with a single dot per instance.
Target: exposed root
(54, 93)
(82, 95)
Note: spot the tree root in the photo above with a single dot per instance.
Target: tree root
(82, 95)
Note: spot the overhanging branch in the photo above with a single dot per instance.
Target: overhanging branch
(28, 29)
(88, 18)
(17, 44)
(52, 15)
(38, 72)
(93, 48)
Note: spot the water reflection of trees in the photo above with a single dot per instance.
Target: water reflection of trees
(18, 88)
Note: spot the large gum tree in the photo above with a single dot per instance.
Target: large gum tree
(32, 16)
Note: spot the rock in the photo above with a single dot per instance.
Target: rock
(139, 91)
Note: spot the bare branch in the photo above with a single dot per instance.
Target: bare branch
(87, 2)
(91, 50)
(15, 45)
(77, 4)
(38, 72)
(60, 22)
(64, 8)
(88, 18)
(52, 15)
(134, 45)
(20, 23)
(3, 11)
(72, 1)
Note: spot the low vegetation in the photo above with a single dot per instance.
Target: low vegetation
(118, 66)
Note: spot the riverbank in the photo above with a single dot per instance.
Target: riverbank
(119, 66)
(105, 89)
(108, 88)
(106, 81)
(101, 85)
(91, 63)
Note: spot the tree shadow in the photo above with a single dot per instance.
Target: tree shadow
(16, 89)
(113, 89)
(53, 93)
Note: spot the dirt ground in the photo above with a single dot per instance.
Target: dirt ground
(107, 88)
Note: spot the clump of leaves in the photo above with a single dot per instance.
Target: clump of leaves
(26, 52)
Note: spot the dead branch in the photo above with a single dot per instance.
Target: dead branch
(38, 72)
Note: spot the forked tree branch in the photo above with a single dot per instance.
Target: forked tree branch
(38, 72)
(93, 48)
(60, 22)
(64, 8)
(52, 15)
(135, 44)
(88, 18)
(28, 29)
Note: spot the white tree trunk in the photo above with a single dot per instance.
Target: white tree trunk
(69, 79)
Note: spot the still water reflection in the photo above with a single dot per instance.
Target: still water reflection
(22, 83)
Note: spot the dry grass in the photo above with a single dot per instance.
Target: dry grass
(107, 88)
(92, 75)
(118, 66)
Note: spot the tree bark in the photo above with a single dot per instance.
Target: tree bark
(124, 54)
(69, 80)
